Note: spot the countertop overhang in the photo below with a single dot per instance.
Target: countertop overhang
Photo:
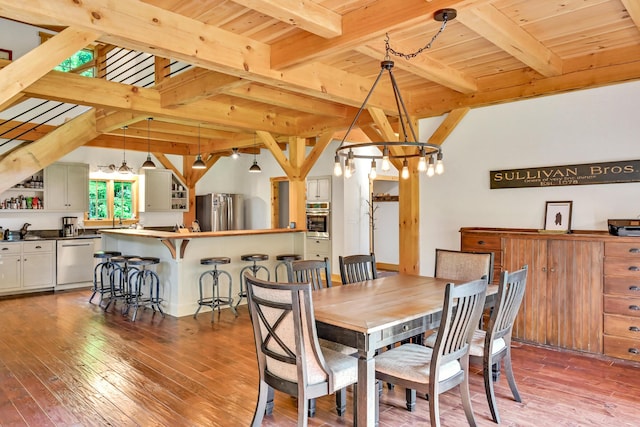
(169, 238)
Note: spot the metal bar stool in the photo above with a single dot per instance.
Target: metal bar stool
(140, 279)
(215, 301)
(255, 268)
(102, 274)
(284, 260)
(120, 279)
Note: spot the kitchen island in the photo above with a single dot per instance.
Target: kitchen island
(180, 254)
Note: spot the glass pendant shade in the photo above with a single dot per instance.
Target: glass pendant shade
(405, 169)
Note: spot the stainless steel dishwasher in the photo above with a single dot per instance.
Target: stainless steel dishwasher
(74, 261)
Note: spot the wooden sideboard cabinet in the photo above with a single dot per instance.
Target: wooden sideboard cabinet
(622, 299)
(563, 303)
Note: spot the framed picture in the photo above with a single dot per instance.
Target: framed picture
(557, 216)
(6, 54)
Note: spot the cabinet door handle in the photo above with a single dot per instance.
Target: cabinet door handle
(634, 351)
(634, 250)
(634, 307)
(634, 268)
(634, 329)
(544, 269)
(5, 249)
(634, 288)
(481, 242)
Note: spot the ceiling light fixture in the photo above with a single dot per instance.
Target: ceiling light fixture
(423, 150)
(199, 164)
(255, 168)
(234, 153)
(123, 167)
(148, 164)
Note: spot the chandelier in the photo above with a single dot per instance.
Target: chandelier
(430, 155)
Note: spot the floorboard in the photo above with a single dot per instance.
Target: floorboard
(65, 362)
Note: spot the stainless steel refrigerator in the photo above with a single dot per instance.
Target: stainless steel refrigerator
(220, 211)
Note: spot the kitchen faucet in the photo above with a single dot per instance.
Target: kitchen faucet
(113, 224)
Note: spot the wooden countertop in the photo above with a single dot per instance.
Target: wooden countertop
(189, 235)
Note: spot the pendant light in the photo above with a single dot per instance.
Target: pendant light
(123, 167)
(199, 164)
(254, 167)
(148, 164)
(234, 153)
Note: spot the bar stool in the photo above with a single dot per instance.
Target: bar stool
(285, 259)
(138, 280)
(215, 301)
(102, 273)
(255, 268)
(120, 279)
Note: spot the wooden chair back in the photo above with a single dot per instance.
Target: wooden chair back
(463, 305)
(510, 295)
(316, 272)
(289, 356)
(464, 266)
(357, 268)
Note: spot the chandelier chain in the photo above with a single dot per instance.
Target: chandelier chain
(412, 55)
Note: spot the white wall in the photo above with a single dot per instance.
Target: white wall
(581, 127)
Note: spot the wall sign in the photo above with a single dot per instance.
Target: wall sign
(551, 176)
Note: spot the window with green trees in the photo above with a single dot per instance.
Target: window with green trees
(109, 199)
(76, 61)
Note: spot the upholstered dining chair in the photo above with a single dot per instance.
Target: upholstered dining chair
(357, 268)
(494, 345)
(318, 273)
(463, 266)
(436, 370)
(290, 358)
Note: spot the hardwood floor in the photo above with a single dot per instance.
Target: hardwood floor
(65, 362)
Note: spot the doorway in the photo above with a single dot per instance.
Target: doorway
(384, 222)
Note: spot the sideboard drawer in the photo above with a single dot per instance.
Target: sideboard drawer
(481, 243)
(619, 266)
(613, 249)
(622, 305)
(622, 326)
(622, 285)
(623, 348)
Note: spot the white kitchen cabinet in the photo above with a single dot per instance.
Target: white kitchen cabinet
(67, 187)
(26, 266)
(38, 264)
(10, 266)
(319, 189)
(161, 191)
(318, 249)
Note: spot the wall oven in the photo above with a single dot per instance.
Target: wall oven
(318, 220)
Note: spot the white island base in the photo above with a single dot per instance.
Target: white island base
(180, 254)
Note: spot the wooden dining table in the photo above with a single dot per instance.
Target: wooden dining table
(372, 314)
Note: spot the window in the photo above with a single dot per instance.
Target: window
(82, 62)
(112, 200)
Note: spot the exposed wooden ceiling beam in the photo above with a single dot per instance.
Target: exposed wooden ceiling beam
(25, 70)
(426, 67)
(277, 153)
(358, 27)
(28, 159)
(194, 85)
(448, 125)
(307, 15)
(143, 27)
(493, 25)
(633, 7)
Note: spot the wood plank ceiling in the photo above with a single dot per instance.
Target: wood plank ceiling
(293, 69)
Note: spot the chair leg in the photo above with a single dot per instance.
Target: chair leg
(271, 394)
(508, 368)
(312, 408)
(489, 391)
(434, 407)
(261, 405)
(303, 407)
(341, 401)
(466, 399)
(411, 399)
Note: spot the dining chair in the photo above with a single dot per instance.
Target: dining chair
(463, 266)
(494, 345)
(357, 268)
(436, 370)
(290, 358)
(318, 273)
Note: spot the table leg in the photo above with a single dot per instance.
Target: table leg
(367, 390)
